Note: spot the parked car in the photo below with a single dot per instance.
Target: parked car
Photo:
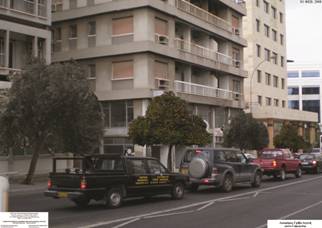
(311, 162)
(278, 163)
(221, 168)
(316, 150)
(112, 178)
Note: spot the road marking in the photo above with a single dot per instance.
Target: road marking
(168, 214)
(294, 213)
(205, 206)
(126, 223)
(256, 194)
(234, 199)
(200, 203)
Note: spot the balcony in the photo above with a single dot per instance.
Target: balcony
(203, 15)
(207, 53)
(26, 7)
(206, 91)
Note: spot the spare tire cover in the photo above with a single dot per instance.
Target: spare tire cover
(198, 167)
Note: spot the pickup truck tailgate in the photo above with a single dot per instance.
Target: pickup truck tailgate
(264, 163)
(63, 180)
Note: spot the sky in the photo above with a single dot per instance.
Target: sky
(304, 31)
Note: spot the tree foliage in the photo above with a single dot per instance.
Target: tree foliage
(169, 122)
(51, 107)
(245, 132)
(289, 138)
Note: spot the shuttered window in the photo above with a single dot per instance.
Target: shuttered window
(235, 22)
(161, 70)
(122, 26)
(123, 69)
(161, 27)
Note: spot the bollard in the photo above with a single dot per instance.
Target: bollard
(4, 189)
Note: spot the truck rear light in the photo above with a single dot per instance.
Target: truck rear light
(49, 184)
(198, 151)
(205, 181)
(274, 163)
(83, 184)
(314, 162)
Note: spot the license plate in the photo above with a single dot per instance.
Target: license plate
(305, 163)
(62, 194)
(184, 171)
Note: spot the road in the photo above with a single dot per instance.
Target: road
(244, 207)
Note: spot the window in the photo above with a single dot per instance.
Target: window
(274, 11)
(268, 101)
(137, 166)
(258, 25)
(73, 31)
(282, 61)
(281, 17)
(267, 54)
(118, 113)
(259, 100)
(122, 70)
(276, 102)
(293, 104)
(57, 34)
(282, 39)
(235, 22)
(122, 26)
(237, 86)
(258, 50)
(274, 34)
(266, 7)
(275, 81)
(283, 103)
(310, 90)
(91, 28)
(161, 27)
(57, 5)
(283, 83)
(72, 4)
(230, 156)
(257, 3)
(267, 79)
(161, 70)
(310, 74)
(275, 58)
(293, 90)
(266, 27)
(155, 167)
(91, 71)
(312, 106)
(259, 76)
(109, 165)
(292, 74)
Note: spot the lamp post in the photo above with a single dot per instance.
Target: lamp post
(251, 82)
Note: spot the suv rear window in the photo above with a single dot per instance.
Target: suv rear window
(272, 154)
(190, 154)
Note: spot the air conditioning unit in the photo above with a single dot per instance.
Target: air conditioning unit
(237, 64)
(162, 84)
(163, 40)
(236, 31)
(236, 96)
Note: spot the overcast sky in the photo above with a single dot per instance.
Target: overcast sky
(304, 31)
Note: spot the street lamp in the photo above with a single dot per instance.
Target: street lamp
(251, 82)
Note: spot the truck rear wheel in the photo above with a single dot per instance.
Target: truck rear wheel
(298, 172)
(177, 191)
(114, 198)
(282, 174)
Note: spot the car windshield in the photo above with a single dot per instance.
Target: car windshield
(307, 157)
(271, 154)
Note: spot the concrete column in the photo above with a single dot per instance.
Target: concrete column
(35, 46)
(8, 3)
(300, 98)
(6, 46)
(270, 130)
(36, 8)
(300, 129)
(48, 50)
(312, 134)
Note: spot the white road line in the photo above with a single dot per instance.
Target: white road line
(169, 214)
(205, 206)
(294, 213)
(199, 203)
(256, 194)
(126, 223)
(228, 200)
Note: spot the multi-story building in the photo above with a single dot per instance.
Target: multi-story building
(304, 86)
(265, 60)
(135, 50)
(24, 32)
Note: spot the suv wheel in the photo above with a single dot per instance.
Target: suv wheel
(81, 203)
(257, 180)
(114, 198)
(177, 191)
(194, 187)
(298, 172)
(227, 184)
(282, 174)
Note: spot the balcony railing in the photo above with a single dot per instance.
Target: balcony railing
(27, 7)
(207, 53)
(207, 91)
(203, 14)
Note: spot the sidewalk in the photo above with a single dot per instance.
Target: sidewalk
(21, 188)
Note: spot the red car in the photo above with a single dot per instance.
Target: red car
(278, 163)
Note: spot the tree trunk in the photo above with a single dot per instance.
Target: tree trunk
(33, 163)
(170, 158)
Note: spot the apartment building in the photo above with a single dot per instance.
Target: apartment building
(304, 87)
(24, 32)
(135, 50)
(265, 60)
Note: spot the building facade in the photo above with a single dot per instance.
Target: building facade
(304, 87)
(265, 60)
(135, 50)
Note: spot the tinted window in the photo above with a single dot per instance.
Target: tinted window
(219, 156)
(311, 90)
(155, 167)
(293, 74)
(271, 154)
(136, 166)
(310, 73)
(293, 90)
(231, 156)
(293, 104)
(307, 157)
(109, 164)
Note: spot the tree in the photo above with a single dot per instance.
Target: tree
(245, 132)
(51, 107)
(169, 122)
(289, 138)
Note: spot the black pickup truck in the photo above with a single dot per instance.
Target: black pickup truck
(112, 178)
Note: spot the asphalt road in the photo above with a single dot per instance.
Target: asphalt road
(244, 207)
